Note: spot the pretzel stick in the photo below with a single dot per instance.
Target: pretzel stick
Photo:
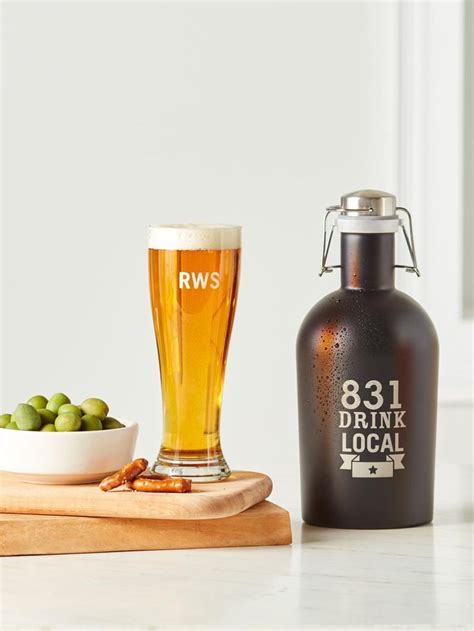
(127, 474)
(152, 485)
(148, 475)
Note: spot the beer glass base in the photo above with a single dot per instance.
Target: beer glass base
(195, 470)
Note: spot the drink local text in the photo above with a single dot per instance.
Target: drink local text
(371, 442)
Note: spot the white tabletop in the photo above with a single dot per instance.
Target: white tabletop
(416, 576)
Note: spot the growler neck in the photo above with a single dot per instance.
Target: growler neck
(367, 261)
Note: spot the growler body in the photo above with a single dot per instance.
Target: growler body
(367, 361)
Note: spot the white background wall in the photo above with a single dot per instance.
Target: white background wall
(117, 115)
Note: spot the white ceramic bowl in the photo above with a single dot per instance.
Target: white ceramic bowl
(66, 457)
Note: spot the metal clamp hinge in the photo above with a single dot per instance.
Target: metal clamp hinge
(410, 241)
(327, 239)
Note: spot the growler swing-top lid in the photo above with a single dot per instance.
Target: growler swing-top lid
(368, 211)
(377, 203)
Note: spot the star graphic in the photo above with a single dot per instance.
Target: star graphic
(372, 470)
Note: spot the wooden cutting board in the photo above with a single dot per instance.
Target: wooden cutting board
(262, 525)
(215, 500)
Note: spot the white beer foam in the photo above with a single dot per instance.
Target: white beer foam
(194, 237)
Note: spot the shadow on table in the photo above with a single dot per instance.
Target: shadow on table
(456, 515)
(447, 517)
(316, 534)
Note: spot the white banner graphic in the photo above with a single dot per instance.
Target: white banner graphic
(372, 469)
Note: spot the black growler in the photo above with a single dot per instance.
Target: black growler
(367, 359)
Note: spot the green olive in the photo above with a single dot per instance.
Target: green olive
(11, 425)
(69, 407)
(68, 422)
(49, 427)
(47, 417)
(96, 407)
(111, 423)
(56, 400)
(38, 401)
(5, 419)
(26, 417)
(90, 423)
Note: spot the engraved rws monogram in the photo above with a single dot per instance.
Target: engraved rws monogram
(386, 443)
(199, 280)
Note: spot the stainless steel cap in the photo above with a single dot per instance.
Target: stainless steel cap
(369, 202)
(366, 212)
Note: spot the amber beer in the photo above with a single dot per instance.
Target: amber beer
(194, 276)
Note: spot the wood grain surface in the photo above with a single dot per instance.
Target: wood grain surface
(262, 525)
(215, 500)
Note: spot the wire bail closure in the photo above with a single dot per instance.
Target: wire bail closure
(369, 212)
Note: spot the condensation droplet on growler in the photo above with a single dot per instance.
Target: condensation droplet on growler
(367, 359)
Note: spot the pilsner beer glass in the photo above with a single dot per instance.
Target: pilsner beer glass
(194, 277)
